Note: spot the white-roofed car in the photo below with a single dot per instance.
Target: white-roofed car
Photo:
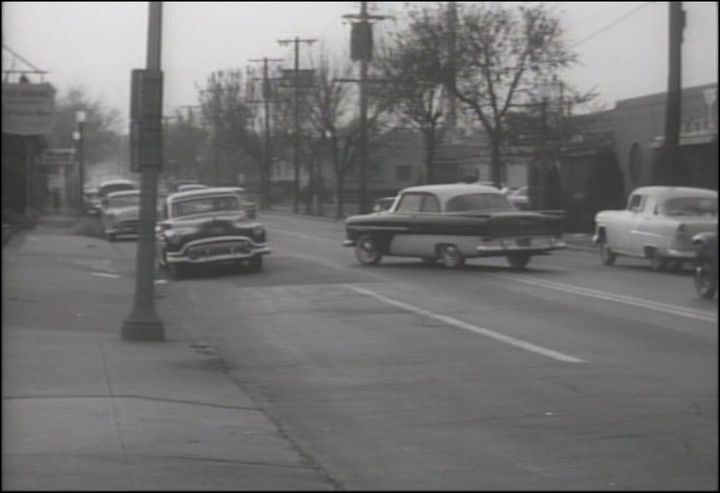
(120, 214)
(208, 226)
(452, 223)
(658, 224)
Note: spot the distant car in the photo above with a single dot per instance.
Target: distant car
(120, 214)
(382, 204)
(208, 226)
(452, 223)
(91, 201)
(519, 198)
(107, 187)
(706, 263)
(658, 224)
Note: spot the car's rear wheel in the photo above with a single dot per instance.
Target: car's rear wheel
(367, 251)
(518, 261)
(451, 257)
(657, 261)
(607, 256)
(705, 279)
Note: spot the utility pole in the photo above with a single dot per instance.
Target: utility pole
(215, 118)
(143, 324)
(361, 49)
(296, 117)
(266, 169)
(673, 172)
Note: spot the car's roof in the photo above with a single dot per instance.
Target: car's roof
(117, 182)
(446, 191)
(668, 192)
(123, 193)
(204, 192)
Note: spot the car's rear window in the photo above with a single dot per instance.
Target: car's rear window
(201, 205)
(478, 202)
(691, 206)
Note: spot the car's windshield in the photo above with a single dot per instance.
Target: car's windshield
(115, 187)
(691, 206)
(201, 205)
(478, 202)
(124, 201)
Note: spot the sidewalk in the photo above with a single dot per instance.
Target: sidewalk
(85, 410)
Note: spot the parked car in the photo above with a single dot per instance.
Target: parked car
(208, 226)
(706, 263)
(519, 198)
(452, 223)
(120, 214)
(658, 224)
(91, 202)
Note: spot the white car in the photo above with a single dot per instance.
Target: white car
(658, 224)
(120, 214)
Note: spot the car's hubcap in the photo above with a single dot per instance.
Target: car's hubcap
(451, 256)
(367, 250)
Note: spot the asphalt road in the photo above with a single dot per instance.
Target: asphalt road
(567, 376)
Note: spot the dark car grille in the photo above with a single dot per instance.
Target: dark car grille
(224, 248)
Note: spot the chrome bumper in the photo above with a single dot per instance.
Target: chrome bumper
(218, 249)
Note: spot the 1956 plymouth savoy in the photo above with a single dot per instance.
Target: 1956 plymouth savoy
(208, 226)
(658, 224)
(452, 223)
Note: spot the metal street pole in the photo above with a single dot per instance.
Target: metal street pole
(143, 323)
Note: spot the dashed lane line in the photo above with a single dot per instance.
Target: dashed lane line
(527, 346)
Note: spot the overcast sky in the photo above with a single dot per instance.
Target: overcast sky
(622, 45)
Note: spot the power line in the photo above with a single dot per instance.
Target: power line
(611, 24)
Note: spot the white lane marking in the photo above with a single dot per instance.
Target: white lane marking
(627, 300)
(104, 274)
(472, 328)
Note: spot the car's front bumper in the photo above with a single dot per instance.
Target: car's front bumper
(123, 228)
(218, 249)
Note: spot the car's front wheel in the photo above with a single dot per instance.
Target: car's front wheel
(177, 271)
(607, 256)
(518, 261)
(705, 279)
(451, 257)
(256, 264)
(367, 251)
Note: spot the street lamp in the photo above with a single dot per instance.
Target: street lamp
(79, 136)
